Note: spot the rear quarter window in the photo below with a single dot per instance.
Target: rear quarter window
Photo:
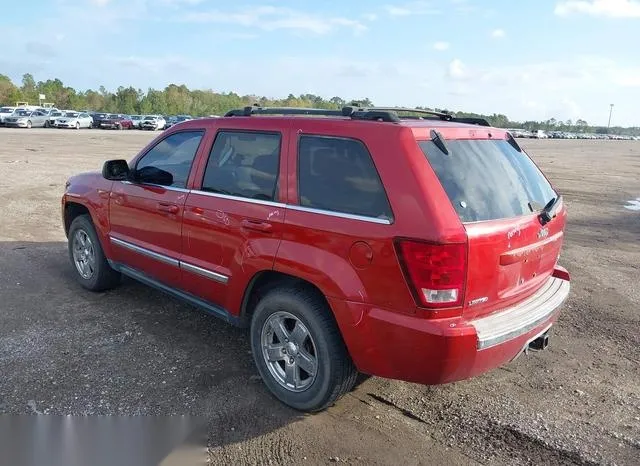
(488, 179)
(338, 175)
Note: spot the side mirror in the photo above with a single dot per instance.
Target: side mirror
(154, 175)
(115, 170)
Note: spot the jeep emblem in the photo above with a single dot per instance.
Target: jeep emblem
(543, 233)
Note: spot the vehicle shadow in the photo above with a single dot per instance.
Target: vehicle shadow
(132, 350)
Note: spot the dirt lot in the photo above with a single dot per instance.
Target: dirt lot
(135, 351)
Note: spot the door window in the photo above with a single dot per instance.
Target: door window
(174, 156)
(244, 164)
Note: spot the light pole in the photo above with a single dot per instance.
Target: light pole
(610, 112)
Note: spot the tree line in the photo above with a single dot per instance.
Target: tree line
(178, 99)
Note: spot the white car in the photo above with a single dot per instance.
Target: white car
(75, 120)
(136, 120)
(5, 112)
(540, 134)
(53, 118)
(153, 122)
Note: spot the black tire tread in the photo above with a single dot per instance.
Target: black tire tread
(107, 277)
(345, 374)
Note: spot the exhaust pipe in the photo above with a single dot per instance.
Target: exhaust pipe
(540, 343)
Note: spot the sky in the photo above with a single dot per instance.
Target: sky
(528, 59)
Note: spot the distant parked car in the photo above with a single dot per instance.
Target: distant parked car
(177, 119)
(27, 119)
(518, 132)
(5, 112)
(136, 120)
(97, 118)
(75, 120)
(53, 117)
(153, 123)
(170, 121)
(116, 122)
(540, 134)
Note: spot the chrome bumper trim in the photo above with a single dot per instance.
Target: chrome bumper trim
(517, 320)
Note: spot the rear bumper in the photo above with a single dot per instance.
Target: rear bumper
(406, 347)
(525, 316)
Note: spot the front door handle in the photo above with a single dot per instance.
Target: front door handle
(169, 208)
(256, 225)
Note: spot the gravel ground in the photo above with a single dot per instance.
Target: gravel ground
(64, 350)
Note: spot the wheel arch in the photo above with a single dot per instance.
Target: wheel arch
(72, 210)
(264, 281)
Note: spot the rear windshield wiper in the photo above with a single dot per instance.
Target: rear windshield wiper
(550, 210)
(439, 141)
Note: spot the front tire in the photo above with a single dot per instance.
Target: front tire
(299, 351)
(91, 268)
(29, 124)
(78, 125)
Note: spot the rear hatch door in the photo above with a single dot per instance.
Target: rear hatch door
(500, 196)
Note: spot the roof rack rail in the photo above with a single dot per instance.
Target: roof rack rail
(472, 121)
(254, 110)
(388, 114)
(391, 113)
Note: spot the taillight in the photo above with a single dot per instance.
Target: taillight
(435, 271)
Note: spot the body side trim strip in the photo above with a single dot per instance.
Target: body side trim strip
(146, 252)
(171, 261)
(218, 277)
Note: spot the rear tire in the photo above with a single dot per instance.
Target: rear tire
(89, 263)
(293, 333)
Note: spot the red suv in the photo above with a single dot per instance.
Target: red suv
(420, 247)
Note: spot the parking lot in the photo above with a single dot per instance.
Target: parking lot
(64, 350)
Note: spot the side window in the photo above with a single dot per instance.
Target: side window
(173, 155)
(244, 164)
(338, 175)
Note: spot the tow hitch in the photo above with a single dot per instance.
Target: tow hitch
(540, 343)
(537, 343)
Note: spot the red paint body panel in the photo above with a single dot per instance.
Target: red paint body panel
(387, 344)
(508, 262)
(92, 191)
(353, 262)
(138, 216)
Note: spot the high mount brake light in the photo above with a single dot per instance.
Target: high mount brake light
(436, 272)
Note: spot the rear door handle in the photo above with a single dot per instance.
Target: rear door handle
(256, 225)
(170, 208)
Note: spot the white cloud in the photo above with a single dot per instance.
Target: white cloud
(498, 33)
(370, 16)
(271, 18)
(457, 70)
(100, 2)
(412, 9)
(441, 46)
(608, 8)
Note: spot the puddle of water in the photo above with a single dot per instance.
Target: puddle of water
(633, 205)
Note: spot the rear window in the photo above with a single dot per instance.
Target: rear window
(488, 179)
